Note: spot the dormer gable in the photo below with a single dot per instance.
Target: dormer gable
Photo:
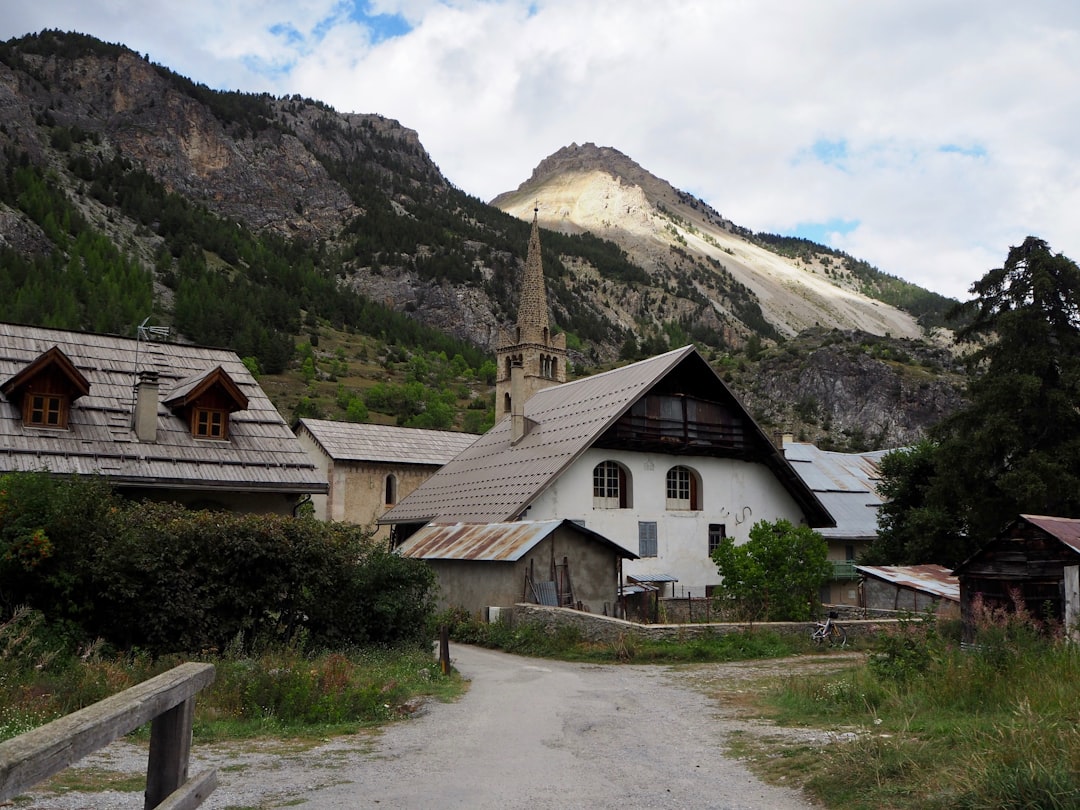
(45, 389)
(206, 401)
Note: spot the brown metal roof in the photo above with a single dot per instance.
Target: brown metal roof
(353, 441)
(491, 542)
(1067, 530)
(932, 579)
(261, 454)
(493, 480)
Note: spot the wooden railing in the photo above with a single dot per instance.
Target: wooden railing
(166, 701)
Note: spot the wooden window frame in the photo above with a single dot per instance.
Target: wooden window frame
(36, 414)
(204, 429)
(648, 539)
(610, 486)
(717, 534)
(683, 489)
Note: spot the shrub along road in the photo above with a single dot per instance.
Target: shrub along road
(529, 733)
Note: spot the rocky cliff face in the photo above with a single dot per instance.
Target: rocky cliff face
(852, 388)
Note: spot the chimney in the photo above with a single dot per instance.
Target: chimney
(520, 425)
(146, 406)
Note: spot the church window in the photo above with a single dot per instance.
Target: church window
(391, 490)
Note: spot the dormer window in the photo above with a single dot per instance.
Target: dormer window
(44, 390)
(210, 423)
(45, 410)
(207, 400)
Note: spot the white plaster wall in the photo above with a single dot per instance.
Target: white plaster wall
(735, 493)
(322, 462)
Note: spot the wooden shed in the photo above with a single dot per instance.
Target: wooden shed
(1028, 559)
(551, 562)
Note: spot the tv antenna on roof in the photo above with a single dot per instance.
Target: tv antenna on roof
(152, 332)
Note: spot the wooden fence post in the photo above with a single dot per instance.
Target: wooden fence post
(444, 649)
(1072, 601)
(170, 752)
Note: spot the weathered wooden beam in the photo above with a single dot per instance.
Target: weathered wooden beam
(192, 793)
(36, 755)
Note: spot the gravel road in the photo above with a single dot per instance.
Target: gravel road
(529, 733)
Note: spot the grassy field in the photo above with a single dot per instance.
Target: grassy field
(922, 723)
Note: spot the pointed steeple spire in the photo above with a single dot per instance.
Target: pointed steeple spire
(532, 318)
(538, 356)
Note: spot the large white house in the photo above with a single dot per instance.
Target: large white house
(658, 456)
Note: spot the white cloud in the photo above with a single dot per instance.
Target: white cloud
(957, 122)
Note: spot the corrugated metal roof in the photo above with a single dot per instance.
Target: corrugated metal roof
(1067, 530)
(494, 481)
(352, 441)
(652, 578)
(261, 454)
(491, 542)
(846, 483)
(933, 579)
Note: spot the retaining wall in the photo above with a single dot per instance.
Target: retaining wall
(605, 629)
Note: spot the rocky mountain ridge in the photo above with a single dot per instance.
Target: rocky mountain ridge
(671, 234)
(353, 203)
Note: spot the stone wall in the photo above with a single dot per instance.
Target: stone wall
(605, 629)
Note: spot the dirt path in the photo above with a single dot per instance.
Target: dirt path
(529, 733)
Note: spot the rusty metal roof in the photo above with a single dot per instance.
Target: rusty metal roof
(492, 542)
(353, 441)
(1067, 530)
(935, 580)
(846, 483)
(260, 455)
(494, 480)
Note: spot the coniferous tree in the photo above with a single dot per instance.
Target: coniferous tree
(1015, 448)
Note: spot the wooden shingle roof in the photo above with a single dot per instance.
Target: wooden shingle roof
(260, 455)
(356, 441)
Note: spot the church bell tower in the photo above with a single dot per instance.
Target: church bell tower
(530, 345)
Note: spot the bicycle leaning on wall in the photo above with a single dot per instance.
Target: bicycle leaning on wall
(829, 632)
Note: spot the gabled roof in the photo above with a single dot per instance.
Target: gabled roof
(354, 441)
(261, 454)
(846, 483)
(52, 358)
(495, 481)
(1067, 530)
(492, 542)
(188, 390)
(1064, 530)
(936, 580)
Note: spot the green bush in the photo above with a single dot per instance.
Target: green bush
(165, 578)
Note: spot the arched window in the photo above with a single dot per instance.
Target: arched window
(611, 486)
(683, 489)
(506, 403)
(391, 490)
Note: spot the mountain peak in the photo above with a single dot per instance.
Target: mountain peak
(686, 245)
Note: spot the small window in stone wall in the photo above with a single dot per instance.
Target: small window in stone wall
(391, 490)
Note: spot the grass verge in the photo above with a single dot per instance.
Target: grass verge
(921, 723)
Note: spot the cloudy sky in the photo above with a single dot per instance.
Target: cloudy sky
(925, 136)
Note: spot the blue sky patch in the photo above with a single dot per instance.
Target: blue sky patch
(831, 153)
(973, 150)
(820, 231)
(381, 26)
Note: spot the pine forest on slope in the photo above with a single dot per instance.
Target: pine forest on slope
(329, 249)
